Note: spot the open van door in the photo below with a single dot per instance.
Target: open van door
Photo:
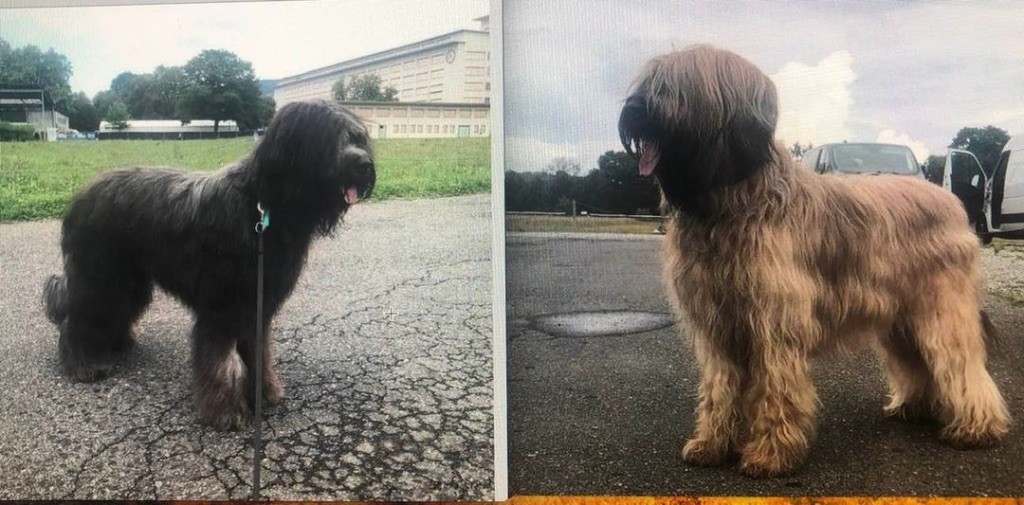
(964, 177)
(1006, 195)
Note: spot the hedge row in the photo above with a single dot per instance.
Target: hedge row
(10, 132)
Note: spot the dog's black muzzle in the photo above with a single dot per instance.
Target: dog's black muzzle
(360, 170)
(635, 124)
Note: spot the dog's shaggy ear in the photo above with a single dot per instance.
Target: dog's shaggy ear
(754, 115)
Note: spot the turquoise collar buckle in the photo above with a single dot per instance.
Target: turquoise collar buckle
(264, 221)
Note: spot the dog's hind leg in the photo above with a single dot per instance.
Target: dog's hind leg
(102, 301)
(949, 333)
(220, 375)
(719, 415)
(911, 390)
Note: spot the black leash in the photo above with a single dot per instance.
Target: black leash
(257, 436)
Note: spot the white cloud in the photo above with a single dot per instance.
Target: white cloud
(1010, 119)
(815, 101)
(920, 150)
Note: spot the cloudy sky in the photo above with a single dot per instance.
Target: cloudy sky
(904, 72)
(278, 38)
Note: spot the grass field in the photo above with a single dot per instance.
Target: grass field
(579, 224)
(37, 179)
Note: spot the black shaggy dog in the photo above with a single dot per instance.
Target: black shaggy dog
(193, 234)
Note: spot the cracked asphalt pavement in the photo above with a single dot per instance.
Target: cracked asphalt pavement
(384, 350)
(597, 414)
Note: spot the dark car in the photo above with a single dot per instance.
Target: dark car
(862, 158)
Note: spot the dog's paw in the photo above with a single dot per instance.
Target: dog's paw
(771, 459)
(760, 467)
(705, 452)
(974, 437)
(232, 420)
(89, 372)
(273, 392)
(911, 412)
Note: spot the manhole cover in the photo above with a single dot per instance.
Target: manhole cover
(595, 324)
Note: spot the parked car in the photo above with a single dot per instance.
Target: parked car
(995, 204)
(862, 158)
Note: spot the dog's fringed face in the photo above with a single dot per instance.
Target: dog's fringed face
(314, 162)
(699, 119)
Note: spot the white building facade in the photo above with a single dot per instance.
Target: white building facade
(422, 120)
(451, 68)
(443, 84)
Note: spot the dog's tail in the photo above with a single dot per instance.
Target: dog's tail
(989, 333)
(55, 298)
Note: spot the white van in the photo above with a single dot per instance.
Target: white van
(996, 205)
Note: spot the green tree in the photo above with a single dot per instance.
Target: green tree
(985, 143)
(82, 114)
(219, 86)
(267, 107)
(338, 90)
(137, 92)
(933, 167)
(168, 85)
(147, 96)
(102, 102)
(364, 88)
(562, 164)
(118, 115)
(619, 188)
(30, 68)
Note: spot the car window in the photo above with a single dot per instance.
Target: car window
(874, 158)
(824, 161)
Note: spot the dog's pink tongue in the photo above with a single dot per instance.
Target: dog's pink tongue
(649, 156)
(351, 196)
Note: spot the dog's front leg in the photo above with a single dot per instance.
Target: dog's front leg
(273, 392)
(220, 377)
(719, 418)
(780, 405)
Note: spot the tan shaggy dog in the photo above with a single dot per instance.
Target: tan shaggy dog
(772, 265)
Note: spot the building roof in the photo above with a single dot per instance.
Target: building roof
(21, 101)
(171, 125)
(415, 47)
(464, 105)
(23, 98)
(151, 123)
